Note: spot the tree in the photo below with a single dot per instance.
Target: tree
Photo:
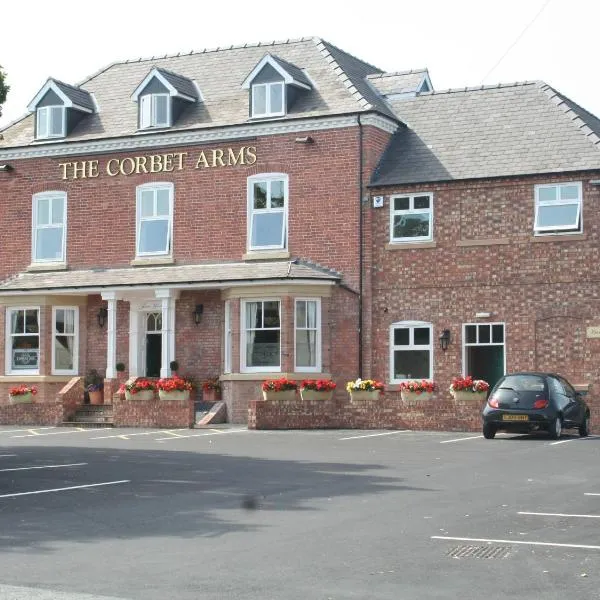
(3, 88)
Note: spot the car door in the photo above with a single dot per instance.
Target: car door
(572, 413)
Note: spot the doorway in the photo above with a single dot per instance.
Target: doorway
(484, 355)
(153, 344)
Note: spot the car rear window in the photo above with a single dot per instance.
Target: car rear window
(523, 383)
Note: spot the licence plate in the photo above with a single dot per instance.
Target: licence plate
(515, 417)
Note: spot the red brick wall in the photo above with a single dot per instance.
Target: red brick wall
(152, 413)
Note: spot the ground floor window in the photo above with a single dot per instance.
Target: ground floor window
(411, 351)
(65, 334)
(261, 343)
(484, 355)
(307, 335)
(23, 341)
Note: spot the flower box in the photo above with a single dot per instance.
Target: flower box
(181, 395)
(466, 396)
(467, 389)
(281, 395)
(307, 394)
(362, 395)
(140, 395)
(414, 398)
(21, 398)
(317, 389)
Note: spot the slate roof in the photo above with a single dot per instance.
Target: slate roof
(77, 95)
(505, 130)
(296, 73)
(337, 79)
(398, 83)
(182, 84)
(226, 274)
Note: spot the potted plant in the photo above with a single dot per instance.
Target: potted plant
(139, 389)
(469, 389)
(21, 394)
(211, 389)
(174, 366)
(120, 368)
(279, 389)
(417, 390)
(174, 388)
(317, 389)
(94, 386)
(364, 389)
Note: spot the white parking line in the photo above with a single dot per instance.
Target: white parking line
(591, 494)
(21, 430)
(6, 455)
(357, 437)
(126, 436)
(74, 430)
(540, 514)
(520, 542)
(475, 437)
(194, 435)
(577, 439)
(74, 487)
(42, 467)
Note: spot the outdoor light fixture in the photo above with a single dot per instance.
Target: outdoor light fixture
(6, 167)
(305, 140)
(445, 339)
(198, 313)
(101, 316)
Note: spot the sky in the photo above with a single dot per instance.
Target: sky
(461, 42)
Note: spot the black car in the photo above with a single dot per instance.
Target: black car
(524, 402)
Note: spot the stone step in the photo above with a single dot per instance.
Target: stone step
(88, 424)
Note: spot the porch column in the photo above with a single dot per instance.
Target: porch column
(168, 298)
(111, 334)
(134, 323)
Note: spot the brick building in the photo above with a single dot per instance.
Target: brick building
(209, 208)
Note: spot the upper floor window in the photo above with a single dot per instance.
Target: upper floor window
(155, 110)
(51, 122)
(411, 351)
(23, 341)
(411, 217)
(154, 219)
(267, 211)
(558, 208)
(65, 330)
(268, 99)
(49, 227)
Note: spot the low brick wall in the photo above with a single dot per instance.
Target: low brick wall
(152, 413)
(71, 397)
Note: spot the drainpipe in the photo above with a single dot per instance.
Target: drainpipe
(360, 248)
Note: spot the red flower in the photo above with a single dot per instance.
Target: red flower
(279, 385)
(319, 385)
(424, 385)
(20, 390)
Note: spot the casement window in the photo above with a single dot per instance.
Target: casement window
(23, 341)
(268, 99)
(154, 219)
(307, 329)
(411, 351)
(51, 122)
(65, 338)
(558, 208)
(49, 224)
(267, 211)
(155, 110)
(261, 335)
(228, 341)
(411, 218)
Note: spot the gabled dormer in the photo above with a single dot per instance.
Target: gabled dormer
(274, 85)
(58, 107)
(161, 98)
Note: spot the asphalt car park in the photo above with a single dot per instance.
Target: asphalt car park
(231, 513)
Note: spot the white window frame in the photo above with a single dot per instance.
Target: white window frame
(75, 335)
(34, 226)
(8, 341)
(465, 345)
(268, 112)
(45, 113)
(411, 211)
(317, 329)
(243, 337)
(411, 325)
(138, 218)
(267, 178)
(149, 119)
(560, 229)
(228, 339)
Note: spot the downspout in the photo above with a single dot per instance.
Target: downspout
(360, 248)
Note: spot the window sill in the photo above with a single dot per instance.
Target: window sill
(49, 266)
(410, 245)
(152, 261)
(563, 237)
(36, 378)
(265, 255)
(483, 242)
(272, 375)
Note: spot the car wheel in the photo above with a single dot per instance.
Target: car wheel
(555, 428)
(489, 431)
(584, 428)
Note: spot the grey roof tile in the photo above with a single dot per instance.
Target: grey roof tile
(293, 70)
(77, 95)
(398, 83)
(181, 84)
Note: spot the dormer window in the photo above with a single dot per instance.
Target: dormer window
(51, 122)
(155, 110)
(268, 99)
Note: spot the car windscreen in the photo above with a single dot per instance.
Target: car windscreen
(520, 391)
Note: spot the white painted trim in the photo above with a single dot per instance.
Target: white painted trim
(51, 195)
(49, 85)
(412, 211)
(8, 370)
(465, 345)
(155, 73)
(560, 229)
(49, 121)
(227, 340)
(111, 339)
(410, 325)
(152, 118)
(243, 367)
(268, 112)
(154, 187)
(267, 59)
(380, 122)
(318, 337)
(267, 177)
(75, 369)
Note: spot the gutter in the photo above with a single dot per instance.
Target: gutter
(360, 247)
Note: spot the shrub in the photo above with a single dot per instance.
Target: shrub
(212, 383)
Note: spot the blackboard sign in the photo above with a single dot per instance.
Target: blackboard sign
(25, 358)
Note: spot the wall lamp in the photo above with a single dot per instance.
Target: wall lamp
(6, 167)
(198, 313)
(101, 316)
(445, 339)
(305, 140)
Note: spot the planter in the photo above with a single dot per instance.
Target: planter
(211, 395)
(142, 395)
(21, 398)
(413, 398)
(181, 395)
(316, 395)
(283, 395)
(96, 397)
(361, 395)
(464, 396)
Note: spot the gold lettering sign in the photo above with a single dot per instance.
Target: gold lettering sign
(166, 162)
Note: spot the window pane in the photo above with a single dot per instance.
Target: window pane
(253, 315)
(276, 97)
(422, 336)
(147, 202)
(57, 211)
(259, 99)
(306, 348)
(162, 202)
(498, 334)
(56, 118)
(262, 348)
(260, 195)
(271, 314)
(558, 215)
(43, 211)
(484, 334)
(547, 193)
(401, 203)
(421, 201)
(146, 111)
(401, 337)
(59, 325)
(31, 322)
(277, 194)
(267, 229)
(25, 352)
(311, 314)
(63, 352)
(300, 313)
(17, 321)
(42, 122)
(154, 236)
(411, 225)
(471, 334)
(49, 244)
(411, 364)
(569, 192)
(160, 110)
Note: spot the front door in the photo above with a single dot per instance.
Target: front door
(153, 344)
(483, 347)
